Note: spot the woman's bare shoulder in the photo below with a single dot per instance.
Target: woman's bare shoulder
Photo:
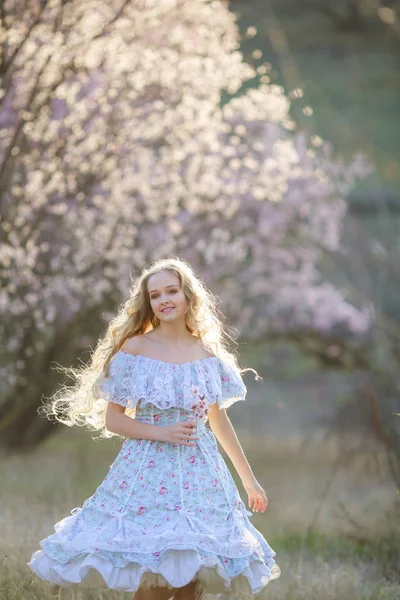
(134, 345)
(205, 350)
(143, 344)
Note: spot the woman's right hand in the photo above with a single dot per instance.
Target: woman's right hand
(179, 433)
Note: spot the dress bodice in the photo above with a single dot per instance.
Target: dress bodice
(148, 413)
(191, 385)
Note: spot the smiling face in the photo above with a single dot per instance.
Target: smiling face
(165, 293)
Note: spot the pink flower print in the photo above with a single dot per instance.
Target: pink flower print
(156, 554)
(192, 459)
(186, 485)
(141, 510)
(177, 507)
(200, 408)
(151, 464)
(123, 485)
(163, 490)
(225, 377)
(156, 417)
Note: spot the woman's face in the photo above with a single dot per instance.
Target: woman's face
(165, 293)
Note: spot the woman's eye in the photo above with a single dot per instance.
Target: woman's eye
(171, 292)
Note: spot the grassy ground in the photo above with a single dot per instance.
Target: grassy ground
(331, 530)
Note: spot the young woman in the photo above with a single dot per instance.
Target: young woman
(168, 519)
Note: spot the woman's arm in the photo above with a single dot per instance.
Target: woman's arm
(223, 429)
(120, 423)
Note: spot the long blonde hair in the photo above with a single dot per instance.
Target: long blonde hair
(81, 404)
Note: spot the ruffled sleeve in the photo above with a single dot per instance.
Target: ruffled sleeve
(117, 386)
(233, 388)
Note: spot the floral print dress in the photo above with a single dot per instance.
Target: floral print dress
(165, 514)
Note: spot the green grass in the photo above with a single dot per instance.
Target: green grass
(383, 553)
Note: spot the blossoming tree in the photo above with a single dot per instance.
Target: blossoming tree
(116, 150)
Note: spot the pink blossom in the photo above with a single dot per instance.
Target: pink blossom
(286, 204)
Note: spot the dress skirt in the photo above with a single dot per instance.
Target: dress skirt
(165, 515)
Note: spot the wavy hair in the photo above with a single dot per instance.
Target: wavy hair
(81, 404)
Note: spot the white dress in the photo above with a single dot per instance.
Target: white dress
(165, 514)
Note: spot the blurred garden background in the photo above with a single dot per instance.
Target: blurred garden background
(258, 140)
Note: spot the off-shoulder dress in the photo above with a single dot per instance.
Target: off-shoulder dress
(165, 514)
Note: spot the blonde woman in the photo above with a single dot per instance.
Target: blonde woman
(167, 520)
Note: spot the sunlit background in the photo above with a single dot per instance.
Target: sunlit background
(258, 140)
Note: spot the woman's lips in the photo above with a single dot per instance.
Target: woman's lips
(167, 310)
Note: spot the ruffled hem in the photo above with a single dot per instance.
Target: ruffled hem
(235, 541)
(176, 569)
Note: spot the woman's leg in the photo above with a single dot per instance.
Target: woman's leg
(187, 592)
(154, 593)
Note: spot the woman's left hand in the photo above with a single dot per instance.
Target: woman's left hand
(257, 498)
